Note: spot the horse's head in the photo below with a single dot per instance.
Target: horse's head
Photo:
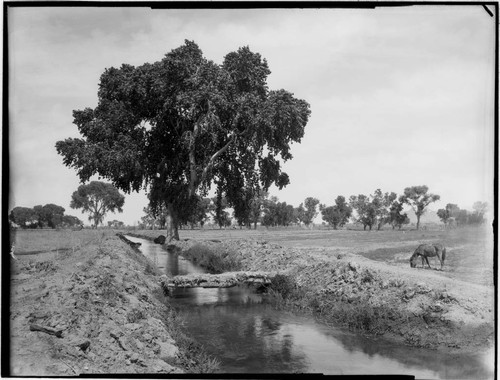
(413, 261)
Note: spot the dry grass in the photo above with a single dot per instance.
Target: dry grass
(37, 241)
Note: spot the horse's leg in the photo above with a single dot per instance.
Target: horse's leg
(441, 260)
(427, 260)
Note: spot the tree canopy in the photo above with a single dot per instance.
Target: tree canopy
(180, 125)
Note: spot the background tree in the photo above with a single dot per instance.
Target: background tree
(257, 207)
(183, 124)
(462, 217)
(299, 213)
(396, 217)
(450, 212)
(220, 216)
(50, 215)
(270, 212)
(148, 220)
(97, 198)
(71, 221)
(115, 224)
(365, 209)
(337, 215)
(477, 216)
(277, 213)
(310, 212)
(24, 217)
(200, 213)
(382, 204)
(418, 198)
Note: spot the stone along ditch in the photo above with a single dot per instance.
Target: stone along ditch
(247, 333)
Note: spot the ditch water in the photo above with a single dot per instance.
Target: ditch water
(248, 335)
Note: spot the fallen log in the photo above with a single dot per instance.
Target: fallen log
(223, 280)
(47, 330)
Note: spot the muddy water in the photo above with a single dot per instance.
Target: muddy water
(248, 335)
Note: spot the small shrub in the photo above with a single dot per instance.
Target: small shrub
(284, 285)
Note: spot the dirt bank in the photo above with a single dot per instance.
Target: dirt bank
(420, 307)
(103, 301)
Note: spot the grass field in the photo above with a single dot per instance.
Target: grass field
(31, 242)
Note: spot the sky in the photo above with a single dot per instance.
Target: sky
(399, 96)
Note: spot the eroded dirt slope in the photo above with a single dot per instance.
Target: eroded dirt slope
(104, 303)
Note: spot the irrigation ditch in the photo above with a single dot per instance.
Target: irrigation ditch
(364, 296)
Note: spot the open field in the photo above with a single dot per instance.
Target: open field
(30, 242)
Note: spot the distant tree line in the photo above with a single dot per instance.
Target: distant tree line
(372, 211)
(453, 216)
(96, 198)
(48, 216)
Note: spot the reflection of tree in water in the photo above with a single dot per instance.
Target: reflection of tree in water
(245, 339)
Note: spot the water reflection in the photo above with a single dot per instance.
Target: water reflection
(249, 336)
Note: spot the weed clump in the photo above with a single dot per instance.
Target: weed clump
(151, 269)
(214, 261)
(283, 285)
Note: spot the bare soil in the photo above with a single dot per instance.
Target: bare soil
(100, 295)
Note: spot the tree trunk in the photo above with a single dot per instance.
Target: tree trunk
(172, 223)
(418, 222)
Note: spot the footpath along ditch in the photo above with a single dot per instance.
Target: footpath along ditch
(418, 307)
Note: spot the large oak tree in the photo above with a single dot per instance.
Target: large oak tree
(180, 125)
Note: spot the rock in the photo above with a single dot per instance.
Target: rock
(161, 366)
(139, 344)
(160, 239)
(134, 357)
(168, 350)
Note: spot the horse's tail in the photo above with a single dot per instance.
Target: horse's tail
(444, 254)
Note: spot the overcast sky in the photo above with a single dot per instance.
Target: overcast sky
(399, 96)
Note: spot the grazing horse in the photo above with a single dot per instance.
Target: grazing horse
(428, 250)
